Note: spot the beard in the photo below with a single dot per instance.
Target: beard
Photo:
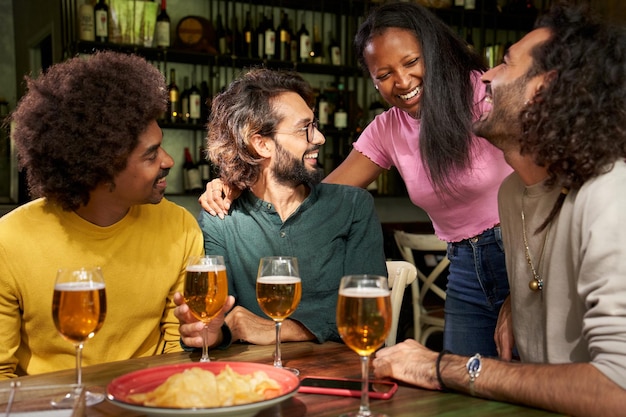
(502, 127)
(291, 171)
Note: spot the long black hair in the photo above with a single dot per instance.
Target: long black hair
(448, 95)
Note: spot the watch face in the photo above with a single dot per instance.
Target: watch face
(474, 365)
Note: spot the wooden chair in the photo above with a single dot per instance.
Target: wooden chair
(401, 274)
(426, 320)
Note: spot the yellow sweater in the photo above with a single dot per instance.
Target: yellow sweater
(143, 260)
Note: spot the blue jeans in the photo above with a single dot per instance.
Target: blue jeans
(477, 287)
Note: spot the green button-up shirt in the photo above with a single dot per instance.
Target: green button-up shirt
(334, 232)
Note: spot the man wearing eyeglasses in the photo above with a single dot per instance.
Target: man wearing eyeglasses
(263, 139)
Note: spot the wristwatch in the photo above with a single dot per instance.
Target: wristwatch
(473, 365)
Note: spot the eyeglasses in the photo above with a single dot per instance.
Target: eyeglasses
(308, 129)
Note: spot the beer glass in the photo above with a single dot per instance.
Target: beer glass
(363, 321)
(278, 292)
(78, 309)
(206, 291)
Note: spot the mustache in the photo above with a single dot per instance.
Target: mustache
(163, 173)
(314, 148)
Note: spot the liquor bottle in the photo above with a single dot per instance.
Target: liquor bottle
(173, 114)
(163, 27)
(318, 49)
(470, 4)
(204, 167)
(284, 37)
(195, 102)
(192, 181)
(184, 101)
(341, 114)
(248, 36)
(459, 3)
(260, 37)
(323, 108)
(86, 31)
(304, 44)
(334, 51)
(270, 38)
(101, 17)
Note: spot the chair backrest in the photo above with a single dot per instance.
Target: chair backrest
(408, 242)
(401, 274)
(431, 246)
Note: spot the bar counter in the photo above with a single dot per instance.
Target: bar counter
(328, 359)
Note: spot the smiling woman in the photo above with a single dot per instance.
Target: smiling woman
(432, 81)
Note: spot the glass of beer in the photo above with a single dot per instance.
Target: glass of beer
(278, 292)
(79, 306)
(206, 291)
(363, 321)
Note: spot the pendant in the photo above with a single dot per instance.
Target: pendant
(535, 284)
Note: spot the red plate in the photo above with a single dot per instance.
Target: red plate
(148, 379)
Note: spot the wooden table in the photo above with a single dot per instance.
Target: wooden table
(328, 359)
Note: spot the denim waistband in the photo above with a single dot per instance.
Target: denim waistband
(489, 234)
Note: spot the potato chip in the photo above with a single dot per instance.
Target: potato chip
(198, 388)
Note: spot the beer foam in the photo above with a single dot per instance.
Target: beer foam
(206, 268)
(79, 286)
(278, 279)
(364, 292)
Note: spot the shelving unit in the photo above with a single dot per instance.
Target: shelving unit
(342, 17)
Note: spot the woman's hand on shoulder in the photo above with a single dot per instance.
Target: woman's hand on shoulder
(217, 198)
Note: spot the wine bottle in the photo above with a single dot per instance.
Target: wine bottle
(220, 34)
(334, 51)
(204, 167)
(323, 108)
(163, 27)
(192, 181)
(318, 49)
(270, 38)
(304, 44)
(234, 37)
(184, 101)
(284, 37)
(101, 17)
(205, 101)
(86, 30)
(468, 38)
(248, 35)
(341, 114)
(293, 47)
(375, 108)
(195, 102)
(174, 99)
(260, 37)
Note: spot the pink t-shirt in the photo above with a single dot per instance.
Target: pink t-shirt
(392, 139)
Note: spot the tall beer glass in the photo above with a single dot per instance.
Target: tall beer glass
(278, 292)
(363, 321)
(78, 309)
(206, 291)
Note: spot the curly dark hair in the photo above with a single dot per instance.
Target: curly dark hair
(576, 125)
(81, 119)
(448, 97)
(245, 109)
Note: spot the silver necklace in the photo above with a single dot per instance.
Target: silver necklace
(536, 283)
